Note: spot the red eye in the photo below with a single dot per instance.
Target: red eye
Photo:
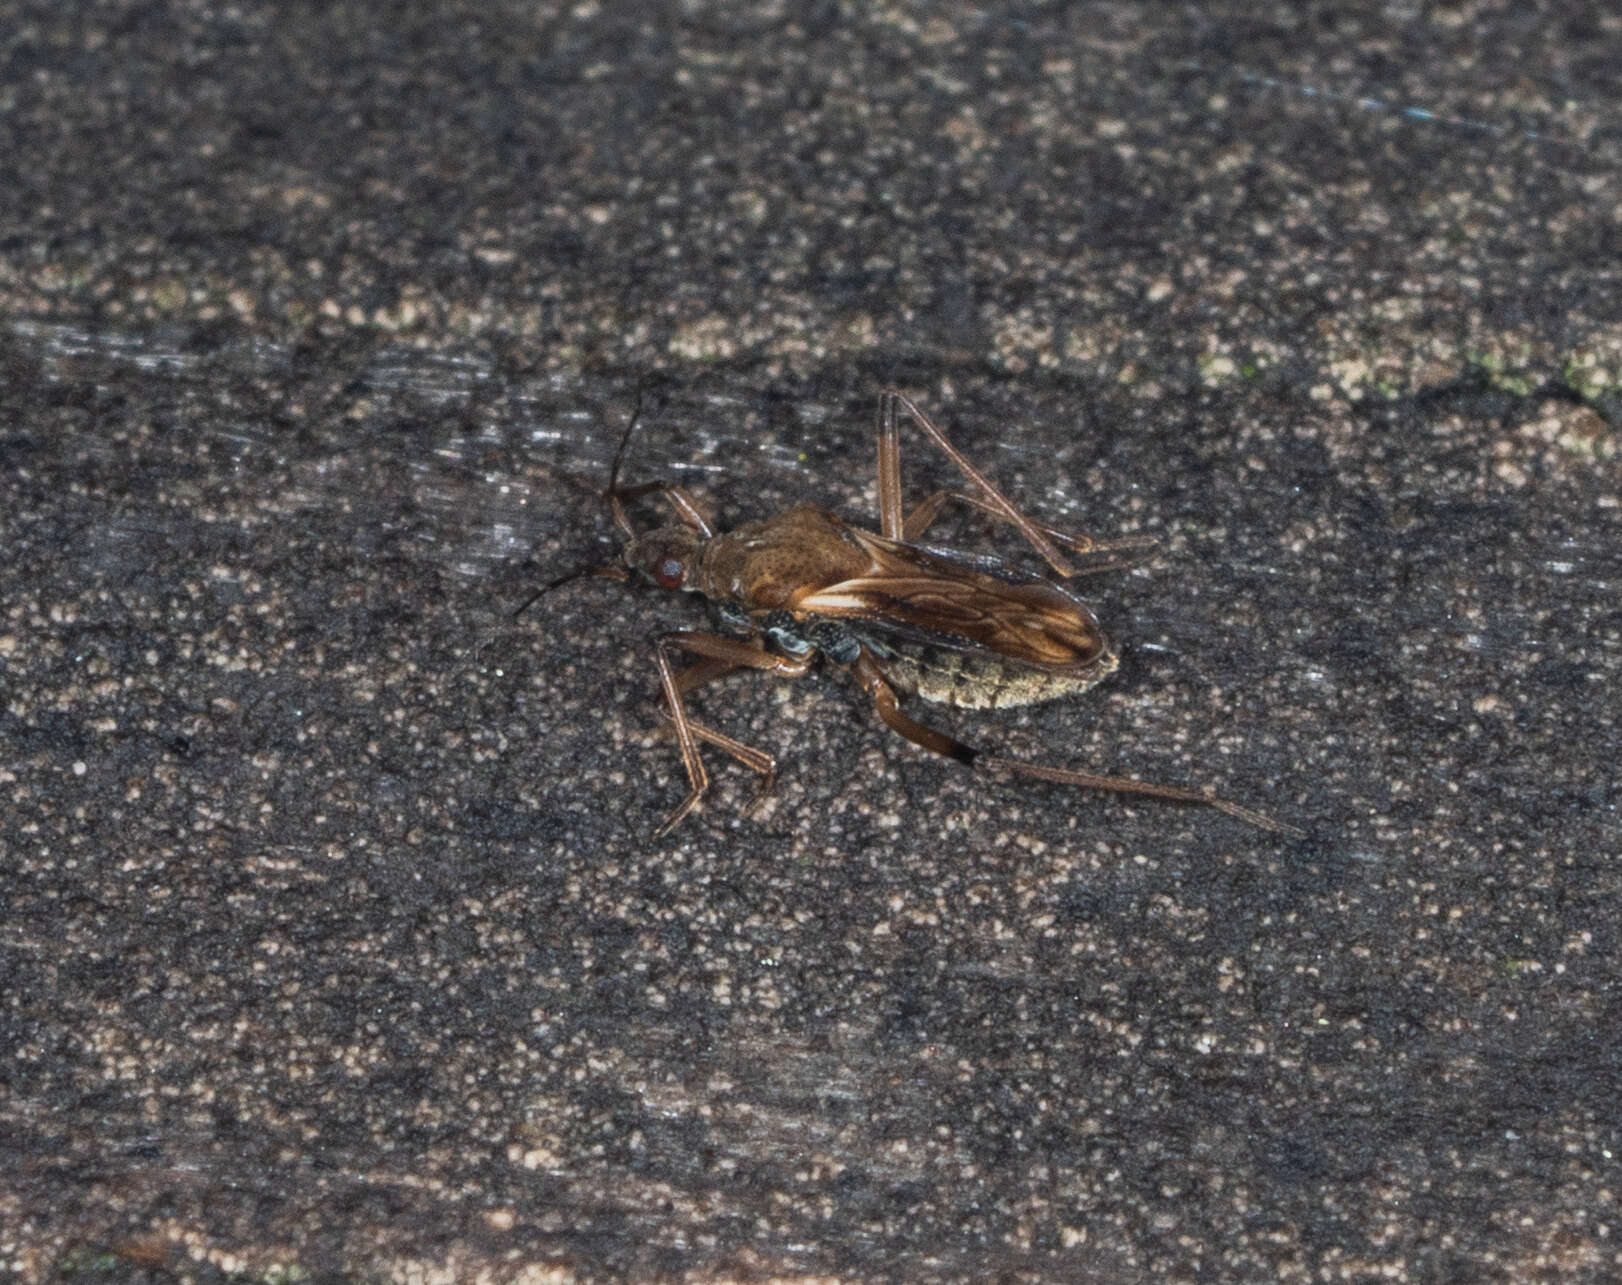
(670, 573)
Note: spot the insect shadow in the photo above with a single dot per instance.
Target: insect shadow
(902, 617)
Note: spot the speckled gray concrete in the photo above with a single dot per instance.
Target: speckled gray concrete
(334, 939)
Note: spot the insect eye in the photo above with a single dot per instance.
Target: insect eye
(670, 573)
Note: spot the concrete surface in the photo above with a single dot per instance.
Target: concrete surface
(334, 939)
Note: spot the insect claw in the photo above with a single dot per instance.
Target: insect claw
(1258, 819)
(679, 815)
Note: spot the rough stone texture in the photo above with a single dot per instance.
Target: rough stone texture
(334, 941)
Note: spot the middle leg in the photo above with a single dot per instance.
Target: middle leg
(1128, 548)
(891, 522)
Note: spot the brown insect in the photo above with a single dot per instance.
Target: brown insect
(898, 615)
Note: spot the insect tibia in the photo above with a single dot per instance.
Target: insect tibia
(1150, 789)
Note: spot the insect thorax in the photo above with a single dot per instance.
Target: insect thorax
(793, 636)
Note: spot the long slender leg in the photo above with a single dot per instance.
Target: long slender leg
(1128, 546)
(1128, 785)
(680, 499)
(889, 469)
(686, 507)
(872, 680)
(696, 675)
(890, 517)
(735, 655)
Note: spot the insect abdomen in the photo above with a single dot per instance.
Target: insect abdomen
(971, 680)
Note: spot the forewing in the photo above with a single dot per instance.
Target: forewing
(923, 595)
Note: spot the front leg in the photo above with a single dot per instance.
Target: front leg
(717, 656)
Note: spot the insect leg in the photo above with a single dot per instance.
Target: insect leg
(717, 656)
(872, 681)
(616, 495)
(889, 469)
(1129, 547)
(697, 675)
(1129, 785)
(890, 517)
(686, 507)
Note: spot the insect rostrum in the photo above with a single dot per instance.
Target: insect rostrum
(901, 616)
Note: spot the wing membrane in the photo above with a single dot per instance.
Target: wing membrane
(922, 595)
